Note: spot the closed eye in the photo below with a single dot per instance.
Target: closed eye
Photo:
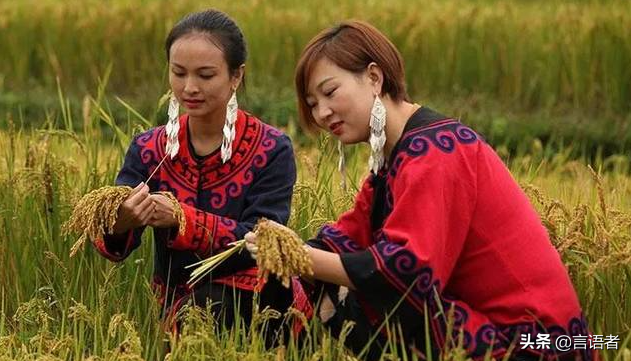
(330, 92)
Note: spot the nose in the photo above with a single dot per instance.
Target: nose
(322, 112)
(190, 86)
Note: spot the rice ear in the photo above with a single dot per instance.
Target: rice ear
(281, 253)
(178, 212)
(95, 214)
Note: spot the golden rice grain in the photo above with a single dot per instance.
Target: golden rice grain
(96, 212)
(178, 213)
(281, 252)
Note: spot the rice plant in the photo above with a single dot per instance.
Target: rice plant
(53, 306)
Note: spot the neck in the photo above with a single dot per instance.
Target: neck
(208, 127)
(398, 114)
(206, 132)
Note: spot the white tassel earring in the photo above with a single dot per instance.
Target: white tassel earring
(173, 127)
(377, 135)
(229, 128)
(341, 165)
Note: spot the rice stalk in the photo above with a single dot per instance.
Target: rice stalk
(281, 253)
(178, 212)
(206, 266)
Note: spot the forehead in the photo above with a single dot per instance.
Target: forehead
(196, 50)
(322, 70)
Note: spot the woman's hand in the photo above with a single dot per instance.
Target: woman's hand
(327, 266)
(251, 240)
(250, 244)
(163, 215)
(135, 211)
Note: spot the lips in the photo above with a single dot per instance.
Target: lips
(192, 103)
(336, 128)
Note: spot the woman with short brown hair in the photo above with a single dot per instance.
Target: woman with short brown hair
(439, 224)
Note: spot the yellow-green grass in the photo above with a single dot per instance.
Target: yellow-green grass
(56, 307)
(524, 55)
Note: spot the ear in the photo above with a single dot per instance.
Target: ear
(237, 77)
(375, 76)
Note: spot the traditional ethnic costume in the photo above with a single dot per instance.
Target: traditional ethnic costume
(445, 233)
(221, 203)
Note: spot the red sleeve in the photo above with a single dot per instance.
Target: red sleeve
(205, 233)
(351, 232)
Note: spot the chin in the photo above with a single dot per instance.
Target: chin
(347, 139)
(196, 112)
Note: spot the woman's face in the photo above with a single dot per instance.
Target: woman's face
(199, 76)
(340, 101)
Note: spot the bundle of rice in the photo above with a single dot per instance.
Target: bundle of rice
(96, 212)
(281, 253)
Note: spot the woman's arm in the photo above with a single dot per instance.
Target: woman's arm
(327, 267)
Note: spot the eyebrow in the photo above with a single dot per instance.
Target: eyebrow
(200, 68)
(324, 81)
(319, 86)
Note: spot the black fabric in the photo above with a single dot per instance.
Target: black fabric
(362, 331)
(360, 268)
(408, 323)
(378, 209)
(230, 304)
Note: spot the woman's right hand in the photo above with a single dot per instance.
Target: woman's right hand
(135, 211)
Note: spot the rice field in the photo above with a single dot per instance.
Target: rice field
(484, 60)
(548, 83)
(55, 307)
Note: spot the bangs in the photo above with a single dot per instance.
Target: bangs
(311, 55)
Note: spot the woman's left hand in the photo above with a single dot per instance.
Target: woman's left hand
(163, 214)
(250, 244)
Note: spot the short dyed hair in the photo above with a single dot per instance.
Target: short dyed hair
(352, 45)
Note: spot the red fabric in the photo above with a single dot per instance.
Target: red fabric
(221, 201)
(459, 225)
(463, 215)
(245, 280)
(301, 303)
(202, 228)
(101, 246)
(356, 222)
